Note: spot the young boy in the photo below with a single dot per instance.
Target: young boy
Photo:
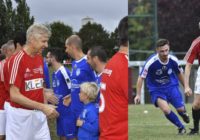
(88, 121)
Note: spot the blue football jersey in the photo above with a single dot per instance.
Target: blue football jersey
(159, 74)
(81, 72)
(61, 84)
(90, 128)
(46, 75)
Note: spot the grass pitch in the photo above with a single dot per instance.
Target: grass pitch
(148, 123)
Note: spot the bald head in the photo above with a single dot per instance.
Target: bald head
(74, 40)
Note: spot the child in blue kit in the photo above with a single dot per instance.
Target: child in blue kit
(88, 122)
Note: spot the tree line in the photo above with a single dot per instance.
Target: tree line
(177, 21)
(13, 20)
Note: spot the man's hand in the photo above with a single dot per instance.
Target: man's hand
(67, 100)
(50, 111)
(137, 99)
(188, 91)
(79, 122)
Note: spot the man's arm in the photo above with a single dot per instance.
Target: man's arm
(188, 90)
(139, 87)
(18, 98)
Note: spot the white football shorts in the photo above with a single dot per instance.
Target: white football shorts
(197, 83)
(23, 124)
(2, 122)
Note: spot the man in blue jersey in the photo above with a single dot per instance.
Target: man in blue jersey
(96, 57)
(48, 56)
(61, 84)
(46, 75)
(162, 72)
(81, 72)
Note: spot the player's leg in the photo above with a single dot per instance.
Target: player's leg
(196, 106)
(195, 114)
(182, 112)
(70, 126)
(175, 98)
(66, 130)
(170, 115)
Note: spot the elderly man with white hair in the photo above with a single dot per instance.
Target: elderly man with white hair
(27, 113)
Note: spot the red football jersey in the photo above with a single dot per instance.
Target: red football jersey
(194, 52)
(26, 73)
(6, 73)
(2, 87)
(114, 99)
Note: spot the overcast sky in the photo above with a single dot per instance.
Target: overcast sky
(105, 12)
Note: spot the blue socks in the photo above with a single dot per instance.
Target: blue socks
(181, 113)
(174, 119)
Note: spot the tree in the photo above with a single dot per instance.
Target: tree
(178, 21)
(95, 35)
(60, 32)
(3, 22)
(114, 41)
(22, 19)
(141, 28)
(13, 20)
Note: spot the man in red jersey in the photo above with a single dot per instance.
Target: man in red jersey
(114, 91)
(191, 55)
(27, 106)
(19, 42)
(8, 50)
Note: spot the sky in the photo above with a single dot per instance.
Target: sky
(105, 12)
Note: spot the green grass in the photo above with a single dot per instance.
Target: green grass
(154, 125)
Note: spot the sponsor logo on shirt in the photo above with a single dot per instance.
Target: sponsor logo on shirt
(38, 70)
(74, 84)
(159, 72)
(163, 80)
(33, 84)
(107, 71)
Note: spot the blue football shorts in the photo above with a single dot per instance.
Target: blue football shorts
(170, 94)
